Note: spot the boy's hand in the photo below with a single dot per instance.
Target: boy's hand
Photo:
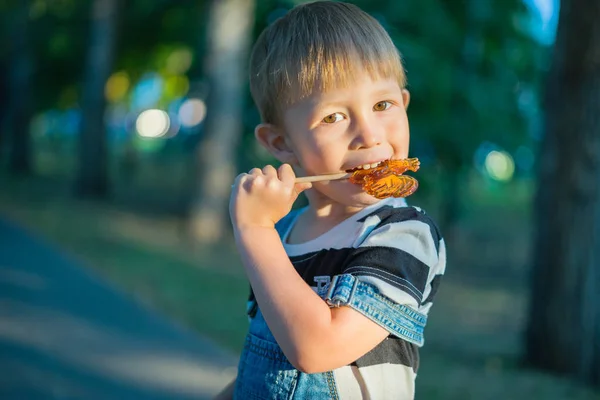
(262, 197)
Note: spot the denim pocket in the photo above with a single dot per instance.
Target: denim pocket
(264, 372)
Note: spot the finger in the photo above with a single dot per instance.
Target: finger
(255, 172)
(270, 171)
(286, 175)
(250, 183)
(238, 180)
(301, 187)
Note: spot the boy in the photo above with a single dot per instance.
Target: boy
(341, 289)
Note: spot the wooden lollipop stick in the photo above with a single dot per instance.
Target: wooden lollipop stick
(318, 178)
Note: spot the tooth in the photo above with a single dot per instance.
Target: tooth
(374, 165)
(367, 166)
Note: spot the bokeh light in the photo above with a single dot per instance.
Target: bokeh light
(500, 165)
(176, 86)
(116, 87)
(152, 123)
(148, 91)
(179, 61)
(192, 112)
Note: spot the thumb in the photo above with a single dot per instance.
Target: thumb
(301, 187)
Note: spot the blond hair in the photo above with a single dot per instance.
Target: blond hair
(318, 46)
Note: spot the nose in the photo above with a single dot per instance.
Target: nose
(367, 133)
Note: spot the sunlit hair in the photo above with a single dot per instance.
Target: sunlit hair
(318, 46)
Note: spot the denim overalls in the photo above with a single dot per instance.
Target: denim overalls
(265, 373)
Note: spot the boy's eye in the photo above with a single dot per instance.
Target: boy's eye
(382, 106)
(333, 118)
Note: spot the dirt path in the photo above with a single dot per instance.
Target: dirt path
(67, 334)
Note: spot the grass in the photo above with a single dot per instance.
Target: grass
(474, 334)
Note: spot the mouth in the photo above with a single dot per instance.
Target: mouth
(366, 166)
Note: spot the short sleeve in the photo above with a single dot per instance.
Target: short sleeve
(403, 257)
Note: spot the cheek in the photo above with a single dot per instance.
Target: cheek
(309, 157)
(324, 148)
(397, 129)
(322, 161)
(399, 137)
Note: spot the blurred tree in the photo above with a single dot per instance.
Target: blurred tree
(467, 63)
(229, 35)
(92, 179)
(564, 320)
(19, 83)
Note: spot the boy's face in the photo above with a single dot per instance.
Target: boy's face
(343, 128)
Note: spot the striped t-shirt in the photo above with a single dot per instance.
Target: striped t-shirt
(398, 249)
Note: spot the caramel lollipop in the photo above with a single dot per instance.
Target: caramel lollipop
(385, 180)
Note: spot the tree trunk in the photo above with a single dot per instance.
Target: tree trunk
(20, 74)
(229, 33)
(92, 179)
(563, 334)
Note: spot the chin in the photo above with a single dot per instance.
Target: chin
(363, 200)
(348, 194)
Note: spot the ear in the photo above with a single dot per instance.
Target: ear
(273, 139)
(405, 98)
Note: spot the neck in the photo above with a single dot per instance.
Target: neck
(327, 211)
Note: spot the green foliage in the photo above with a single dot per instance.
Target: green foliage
(58, 38)
(467, 61)
(466, 64)
(60, 30)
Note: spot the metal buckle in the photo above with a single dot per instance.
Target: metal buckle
(330, 290)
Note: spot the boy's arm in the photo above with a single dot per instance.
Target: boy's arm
(313, 337)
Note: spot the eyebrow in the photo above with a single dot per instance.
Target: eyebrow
(335, 103)
(340, 103)
(383, 92)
